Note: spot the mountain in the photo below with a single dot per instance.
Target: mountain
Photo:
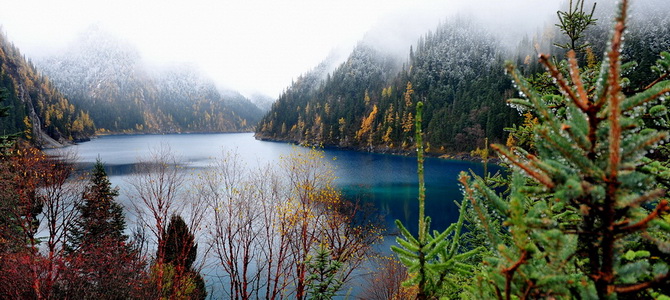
(38, 110)
(261, 101)
(456, 71)
(107, 78)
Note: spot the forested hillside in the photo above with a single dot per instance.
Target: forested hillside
(367, 103)
(37, 110)
(108, 78)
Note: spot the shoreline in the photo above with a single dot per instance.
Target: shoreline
(462, 156)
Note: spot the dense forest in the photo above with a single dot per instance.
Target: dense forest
(107, 78)
(368, 102)
(38, 111)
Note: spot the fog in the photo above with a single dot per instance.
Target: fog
(257, 46)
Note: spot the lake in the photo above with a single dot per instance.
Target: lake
(388, 181)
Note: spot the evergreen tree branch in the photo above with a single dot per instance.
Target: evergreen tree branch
(464, 179)
(581, 140)
(662, 67)
(536, 162)
(420, 160)
(659, 79)
(642, 224)
(509, 273)
(564, 146)
(577, 81)
(646, 197)
(561, 82)
(615, 96)
(542, 178)
(534, 98)
(643, 142)
(604, 274)
(656, 91)
(632, 288)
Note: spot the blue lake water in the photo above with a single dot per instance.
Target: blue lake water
(388, 181)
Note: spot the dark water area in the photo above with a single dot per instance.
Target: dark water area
(391, 183)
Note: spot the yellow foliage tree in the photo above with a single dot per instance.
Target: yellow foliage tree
(408, 94)
(366, 126)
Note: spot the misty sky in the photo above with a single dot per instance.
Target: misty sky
(252, 45)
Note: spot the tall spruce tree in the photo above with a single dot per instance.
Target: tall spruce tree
(101, 217)
(102, 263)
(180, 246)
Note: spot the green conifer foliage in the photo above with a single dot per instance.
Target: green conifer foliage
(101, 216)
(435, 259)
(574, 22)
(662, 68)
(582, 214)
(180, 279)
(323, 282)
(180, 247)
(102, 265)
(6, 140)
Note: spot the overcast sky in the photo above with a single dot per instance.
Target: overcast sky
(248, 45)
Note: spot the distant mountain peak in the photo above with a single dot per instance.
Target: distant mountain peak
(107, 76)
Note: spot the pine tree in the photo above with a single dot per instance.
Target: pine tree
(574, 22)
(434, 260)
(180, 247)
(322, 283)
(101, 217)
(102, 263)
(583, 214)
(180, 279)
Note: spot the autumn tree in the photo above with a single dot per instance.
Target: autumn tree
(267, 224)
(60, 197)
(156, 187)
(318, 215)
(366, 132)
(235, 230)
(22, 173)
(39, 195)
(385, 282)
(407, 117)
